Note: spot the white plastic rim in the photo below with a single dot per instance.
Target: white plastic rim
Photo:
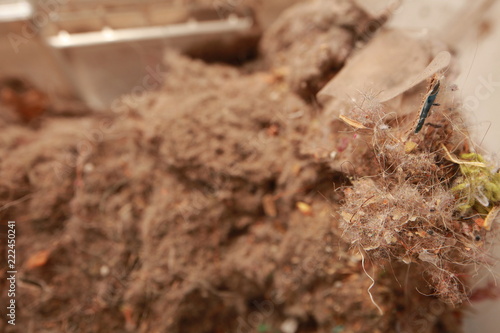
(15, 10)
(108, 35)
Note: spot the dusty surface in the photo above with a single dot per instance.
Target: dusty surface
(211, 205)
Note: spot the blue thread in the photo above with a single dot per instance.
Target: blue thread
(427, 107)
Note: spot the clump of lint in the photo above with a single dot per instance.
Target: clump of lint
(430, 200)
(368, 113)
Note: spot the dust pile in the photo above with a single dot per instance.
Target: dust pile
(412, 205)
(213, 204)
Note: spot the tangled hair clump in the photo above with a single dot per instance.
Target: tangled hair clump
(408, 209)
